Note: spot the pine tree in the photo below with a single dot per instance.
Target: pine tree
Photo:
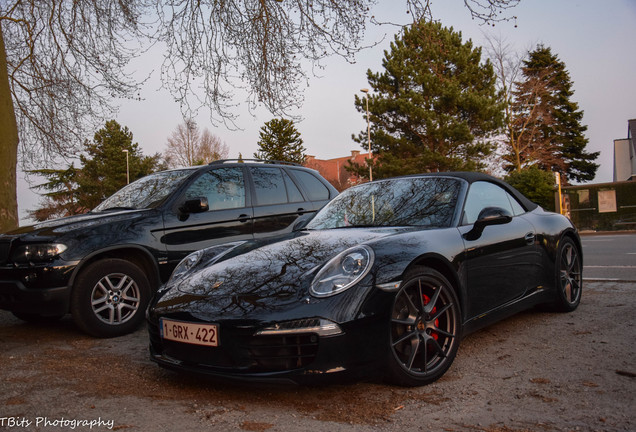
(547, 128)
(104, 164)
(435, 106)
(60, 198)
(281, 141)
(102, 173)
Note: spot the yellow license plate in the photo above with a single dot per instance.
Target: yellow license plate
(190, 333)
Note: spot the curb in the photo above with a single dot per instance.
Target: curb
(609, 280)
(599, 233)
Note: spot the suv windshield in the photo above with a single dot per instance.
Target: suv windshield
(428, 202)
(147, 192)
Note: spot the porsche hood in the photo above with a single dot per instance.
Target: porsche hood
(277, 269)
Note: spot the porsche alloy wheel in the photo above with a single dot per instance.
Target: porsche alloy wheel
(425, 329)
(569, 276)
(110, 297)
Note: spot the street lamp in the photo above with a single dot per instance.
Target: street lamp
(366, 91)
(127, 171)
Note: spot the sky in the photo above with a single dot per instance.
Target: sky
(595, 40)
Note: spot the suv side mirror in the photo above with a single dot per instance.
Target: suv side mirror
(197, 205)
(488, 216)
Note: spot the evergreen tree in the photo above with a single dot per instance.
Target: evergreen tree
(60, 196)
(102, 173)
(281, 141)
(534, 183)
(435, 106)
(104, 164)
(547, 123)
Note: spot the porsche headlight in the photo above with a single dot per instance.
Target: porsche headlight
(37, 252)
(186, 264)
(203, 257)
(343, 271)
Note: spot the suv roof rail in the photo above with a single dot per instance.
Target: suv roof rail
(263, 161)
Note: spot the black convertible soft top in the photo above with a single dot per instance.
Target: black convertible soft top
(472, 177)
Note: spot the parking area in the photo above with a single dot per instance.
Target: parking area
(535, 371)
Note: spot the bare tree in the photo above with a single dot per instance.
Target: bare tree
(64, 63)
(181, 145)
(260, 45)
(212, 147)
(490, 11)
(530, 112)
(527, 107)
(507, 63)
(542, 125)
(187, 146)
(550, 131)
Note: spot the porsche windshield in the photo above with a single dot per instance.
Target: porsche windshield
(414, 201)
(147, 192)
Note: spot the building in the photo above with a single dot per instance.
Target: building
(334, 170)
(625, 155)
(608, 206)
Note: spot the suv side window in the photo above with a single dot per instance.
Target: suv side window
(223, 187)
(293, 193)
(269, 186)
(484, 194)
(315, 188)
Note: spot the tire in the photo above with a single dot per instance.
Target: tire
(36, 318)
(425, 329)
(569, 281)
(110, 297)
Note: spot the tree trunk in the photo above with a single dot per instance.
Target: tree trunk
(8, 149)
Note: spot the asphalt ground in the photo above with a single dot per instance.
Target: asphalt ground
(609, 257)
(537, 371)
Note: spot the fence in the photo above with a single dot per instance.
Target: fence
(601, 207)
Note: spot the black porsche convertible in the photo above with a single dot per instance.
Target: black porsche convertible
(384, 281)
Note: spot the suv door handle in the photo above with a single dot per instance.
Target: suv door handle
(529, 238)
(300, 210)
(243, 218)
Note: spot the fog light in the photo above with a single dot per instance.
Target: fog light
(320, 326)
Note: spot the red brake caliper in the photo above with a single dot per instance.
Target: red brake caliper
(427, 299)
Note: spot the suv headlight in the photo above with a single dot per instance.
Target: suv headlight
(343, 271)
(37, 252)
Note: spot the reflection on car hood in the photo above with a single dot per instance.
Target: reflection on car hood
(278, 269)
(70, 223)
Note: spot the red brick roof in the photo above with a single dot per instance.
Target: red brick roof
(334, 171)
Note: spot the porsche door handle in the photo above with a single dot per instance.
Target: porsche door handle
(529, 238)
(243, 218)
(300, 211)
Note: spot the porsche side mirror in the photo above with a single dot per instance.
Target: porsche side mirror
(302, 222)
(488, 216)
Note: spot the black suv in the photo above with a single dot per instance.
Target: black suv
(104, 265)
